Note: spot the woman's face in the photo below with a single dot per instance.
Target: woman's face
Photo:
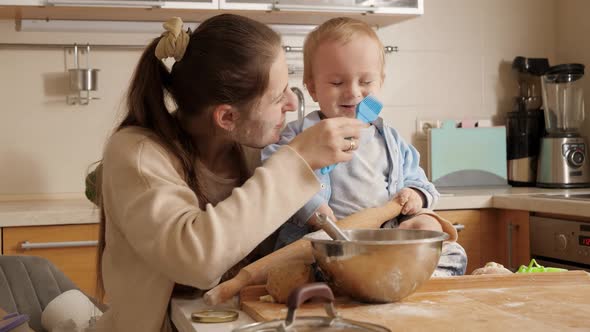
(262, 125)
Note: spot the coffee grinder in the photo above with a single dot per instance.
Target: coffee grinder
(525, 125)
(563, 157)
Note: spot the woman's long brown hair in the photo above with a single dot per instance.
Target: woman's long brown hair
(227, 61)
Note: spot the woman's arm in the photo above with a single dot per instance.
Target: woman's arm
(147, 201)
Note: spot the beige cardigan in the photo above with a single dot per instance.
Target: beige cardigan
(157, 236)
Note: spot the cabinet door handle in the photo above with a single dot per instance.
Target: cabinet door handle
(459, 227)
(26, 245)
(331, 9)
(510, 229)
(111, 3)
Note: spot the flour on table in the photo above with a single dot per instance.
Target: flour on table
(513, 304)
(405, 310)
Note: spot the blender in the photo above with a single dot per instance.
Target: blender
(563, 157)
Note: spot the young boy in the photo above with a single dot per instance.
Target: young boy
(343, 63)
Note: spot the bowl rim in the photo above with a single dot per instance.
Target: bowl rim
(437, 237)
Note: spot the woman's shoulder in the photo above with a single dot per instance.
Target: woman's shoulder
(131, 135)
(136, 151)
(131, 142)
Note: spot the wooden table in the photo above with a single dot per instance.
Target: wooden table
(517, 302)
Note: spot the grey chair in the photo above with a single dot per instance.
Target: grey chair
(28, 284)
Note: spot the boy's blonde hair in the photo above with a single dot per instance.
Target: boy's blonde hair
(339, 29)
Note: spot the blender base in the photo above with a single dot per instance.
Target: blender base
(563, 163)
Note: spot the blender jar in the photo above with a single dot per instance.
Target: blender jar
(563, 99)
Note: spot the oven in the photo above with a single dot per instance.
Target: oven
(560, 243)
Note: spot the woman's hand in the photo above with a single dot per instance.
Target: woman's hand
(410, 200)
(329, 142)
(422, 222)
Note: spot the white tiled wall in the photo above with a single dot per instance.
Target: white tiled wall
(454, 61)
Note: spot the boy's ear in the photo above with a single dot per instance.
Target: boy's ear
(225, 117)
(310, 86)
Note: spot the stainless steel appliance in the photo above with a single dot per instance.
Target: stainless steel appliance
(560, 243)
(525, 125)
(563, 157)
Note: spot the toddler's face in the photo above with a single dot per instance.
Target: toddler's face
(344, 74)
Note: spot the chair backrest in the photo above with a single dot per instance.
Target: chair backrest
(28, 284)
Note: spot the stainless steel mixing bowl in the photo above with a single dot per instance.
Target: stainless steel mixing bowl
(378, 265)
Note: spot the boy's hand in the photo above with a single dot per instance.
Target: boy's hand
(410, 200)
(325, 209)
(422, 222)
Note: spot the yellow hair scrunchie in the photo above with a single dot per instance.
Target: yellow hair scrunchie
(174, 40)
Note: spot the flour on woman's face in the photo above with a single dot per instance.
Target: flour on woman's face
(262, 125)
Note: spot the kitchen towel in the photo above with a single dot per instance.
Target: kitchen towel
(70, 311)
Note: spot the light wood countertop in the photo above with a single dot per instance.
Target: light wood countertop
(77, 210)
(38, 212)
(513, 198)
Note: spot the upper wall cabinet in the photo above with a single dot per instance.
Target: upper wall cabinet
(374, 12)
(192, 4)
(177, 4)
(22, 2)
(336, 6)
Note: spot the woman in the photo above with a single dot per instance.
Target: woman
(180, 202)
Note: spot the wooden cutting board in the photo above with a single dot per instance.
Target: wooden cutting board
(517, 302)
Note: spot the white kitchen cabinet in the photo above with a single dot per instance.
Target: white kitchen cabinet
(292, 12)
(176, 4)
(192, 4)
(333, 6)
(22, 2)
(107, 3)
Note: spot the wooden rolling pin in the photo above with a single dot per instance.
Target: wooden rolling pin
(257, 272)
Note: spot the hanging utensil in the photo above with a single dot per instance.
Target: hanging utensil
(82, 80)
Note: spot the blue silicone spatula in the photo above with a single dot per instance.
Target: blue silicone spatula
(367, 111)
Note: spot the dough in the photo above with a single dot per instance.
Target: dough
(282, 279)
(491, 268)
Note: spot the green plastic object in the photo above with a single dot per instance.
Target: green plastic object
(534, 267)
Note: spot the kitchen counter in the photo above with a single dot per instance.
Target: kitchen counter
(66, 211)
(539, 302)
(495, 300)
(41, 212)
(513, 198)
